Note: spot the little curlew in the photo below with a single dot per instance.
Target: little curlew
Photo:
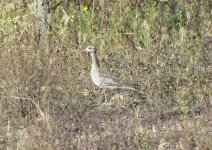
(102, 78)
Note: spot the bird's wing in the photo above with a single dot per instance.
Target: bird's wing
(109, 79)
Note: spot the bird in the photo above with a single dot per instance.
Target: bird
(101, 77)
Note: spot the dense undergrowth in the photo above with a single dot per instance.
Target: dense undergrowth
(47, 101)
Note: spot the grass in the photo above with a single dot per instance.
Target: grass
(48, 101)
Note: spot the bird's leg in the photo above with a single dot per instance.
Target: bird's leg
(105, 95)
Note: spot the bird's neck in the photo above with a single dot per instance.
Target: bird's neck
(95, 62)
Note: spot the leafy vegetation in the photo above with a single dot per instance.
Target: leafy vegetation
(47, 100)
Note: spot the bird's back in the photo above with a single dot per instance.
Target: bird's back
(105, 79)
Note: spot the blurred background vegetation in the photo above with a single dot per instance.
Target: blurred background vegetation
(47, 100)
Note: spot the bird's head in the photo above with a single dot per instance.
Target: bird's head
(90, 49)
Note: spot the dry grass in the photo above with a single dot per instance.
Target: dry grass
(47, 101)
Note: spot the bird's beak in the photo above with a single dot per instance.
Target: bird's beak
(84, 51)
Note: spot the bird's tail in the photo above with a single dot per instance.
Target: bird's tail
(128, 88)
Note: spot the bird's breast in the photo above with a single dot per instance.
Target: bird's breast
(95, 77)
